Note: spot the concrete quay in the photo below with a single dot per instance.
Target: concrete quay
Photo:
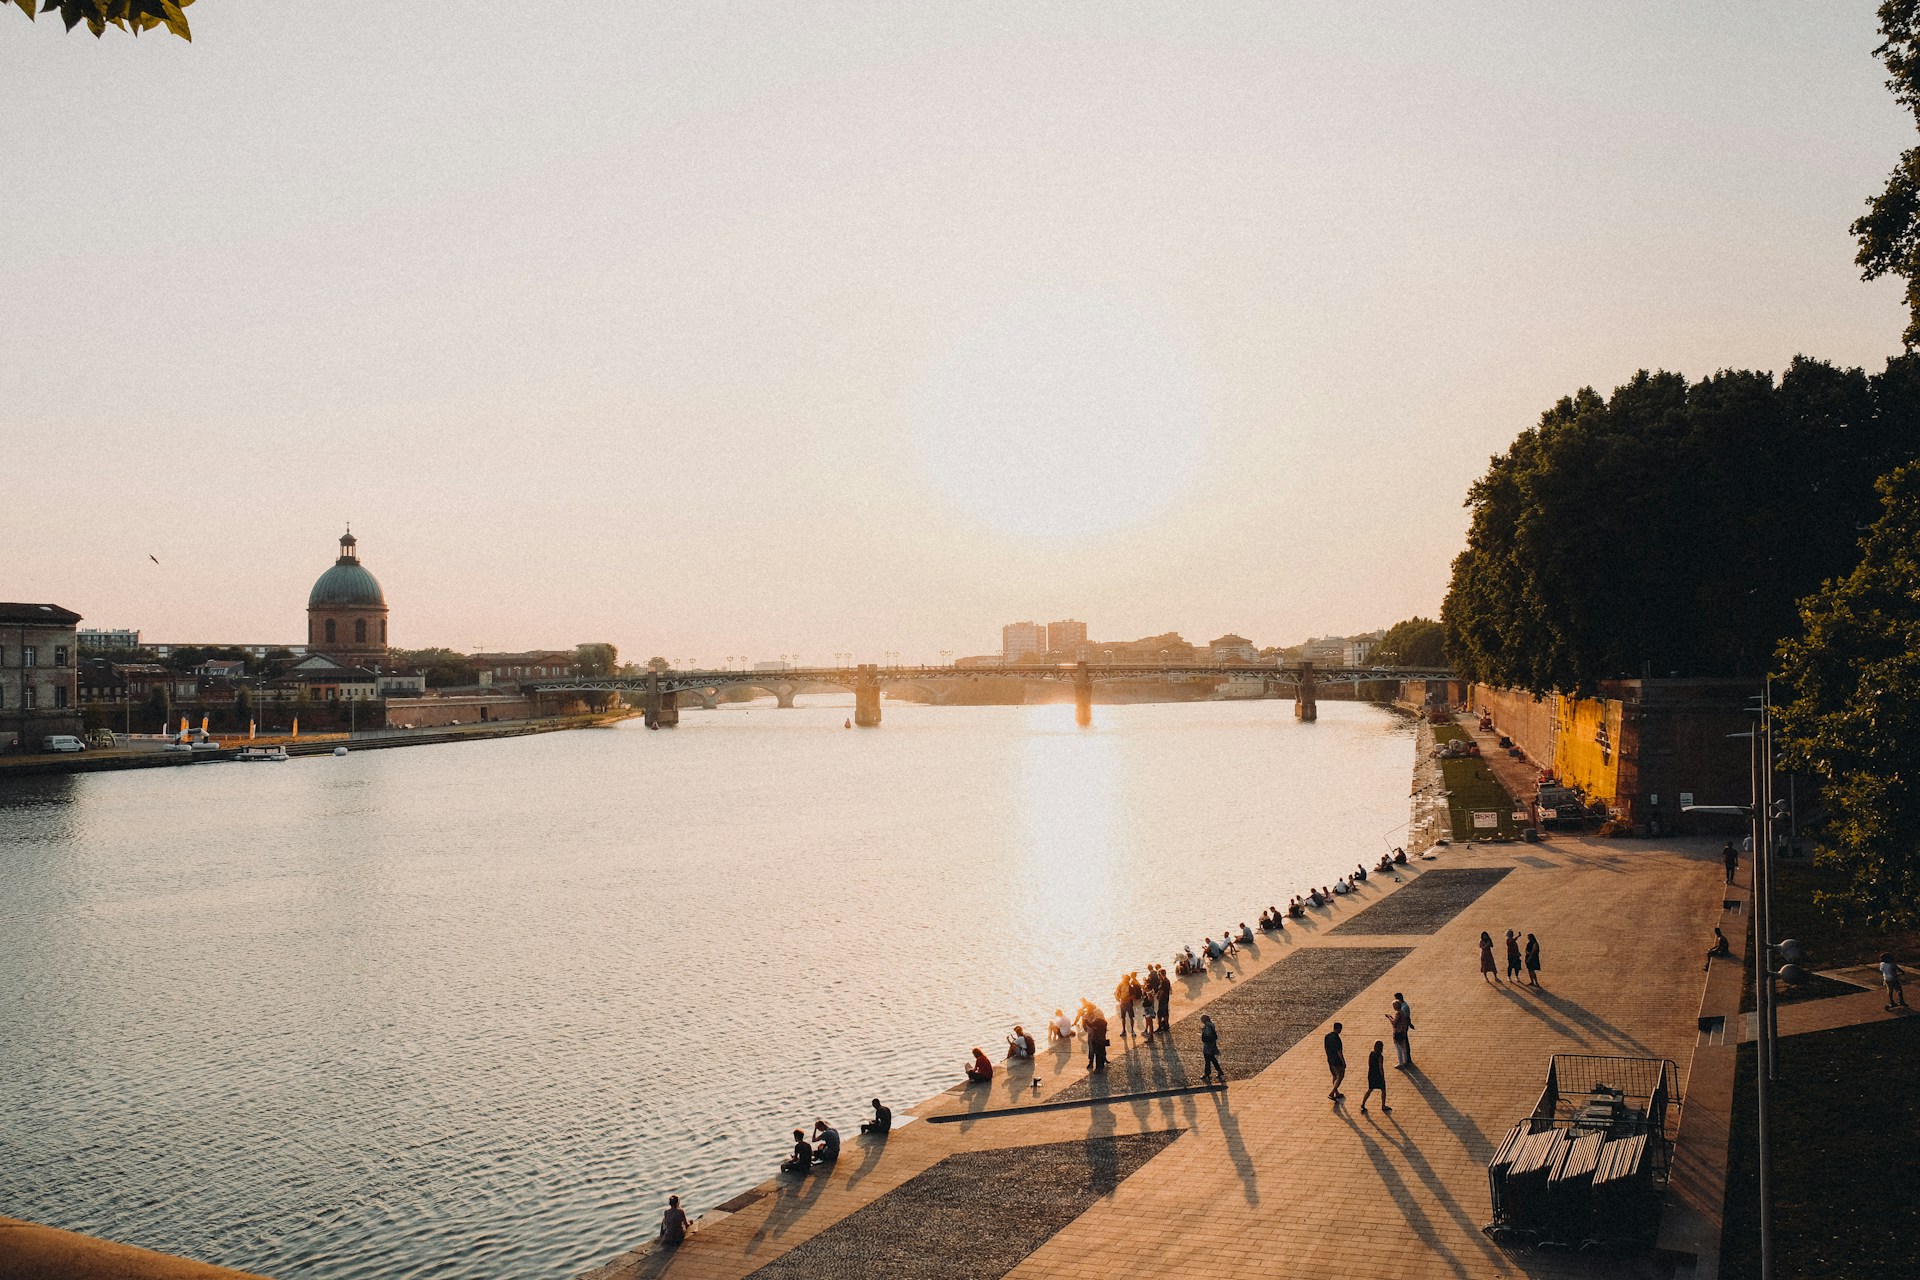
(1143, 1172)
(318, 744)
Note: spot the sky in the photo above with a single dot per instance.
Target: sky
(803, 329)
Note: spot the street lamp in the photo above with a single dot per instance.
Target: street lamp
(1761, 814)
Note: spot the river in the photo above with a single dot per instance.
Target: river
(474, 1010)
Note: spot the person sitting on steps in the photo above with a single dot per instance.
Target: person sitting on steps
(981, 1071)
(827, 1143)
(882, 1122)
(802, 1158)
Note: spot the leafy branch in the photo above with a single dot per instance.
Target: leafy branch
(128, 15)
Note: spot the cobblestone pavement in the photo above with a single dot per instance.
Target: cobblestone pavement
(1426, 904)
(1267, 1177)
(974, 1215)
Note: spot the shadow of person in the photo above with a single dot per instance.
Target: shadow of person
(1591, 1021)
(1403, 1197)
(792, 1198)
(1103, 1161)
(1458, 1123)
(1564, 1029)
(872, 1146)
(1236, 1149)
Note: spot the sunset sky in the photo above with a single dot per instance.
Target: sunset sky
(804, 328)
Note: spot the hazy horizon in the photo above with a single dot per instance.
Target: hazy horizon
(821, 328)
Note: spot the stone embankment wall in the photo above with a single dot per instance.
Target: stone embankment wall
(1528, 720)
(1645, 747)
(434, 713)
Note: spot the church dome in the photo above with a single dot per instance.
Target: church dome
(348, 584)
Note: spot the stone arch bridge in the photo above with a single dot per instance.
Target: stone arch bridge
(663, 690)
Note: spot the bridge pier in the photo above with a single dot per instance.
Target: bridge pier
(866, 696)
(1304, 707)
(662, 708)
(784, 696)
(1082, 695)
(709, 700)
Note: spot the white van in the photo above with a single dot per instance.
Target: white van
(62, 742)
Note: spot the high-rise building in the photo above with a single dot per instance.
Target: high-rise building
(1068, 637)
(1022, 641)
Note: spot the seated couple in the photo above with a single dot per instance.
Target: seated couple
(806, 1155)
(1019, 1044)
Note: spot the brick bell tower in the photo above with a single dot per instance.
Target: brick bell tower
(347, 611)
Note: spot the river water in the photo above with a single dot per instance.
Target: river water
(475, 1010)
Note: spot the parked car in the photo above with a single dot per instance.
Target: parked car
(62, 742)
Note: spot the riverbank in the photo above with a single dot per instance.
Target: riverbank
(98, 761)
(1143, 1172)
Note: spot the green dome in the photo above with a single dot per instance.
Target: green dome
(346, 585)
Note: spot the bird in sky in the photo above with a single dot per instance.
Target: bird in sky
(153, 557)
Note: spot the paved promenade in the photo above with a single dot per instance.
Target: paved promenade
(1267, 1177)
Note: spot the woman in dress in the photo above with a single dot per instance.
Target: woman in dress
(1533, 961)
(1376, 1078)
(1487, 969)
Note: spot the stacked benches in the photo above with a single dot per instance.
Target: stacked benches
(1586, 1168)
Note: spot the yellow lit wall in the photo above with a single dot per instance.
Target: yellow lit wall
(1586, 748)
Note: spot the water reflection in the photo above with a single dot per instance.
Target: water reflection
(1070, 833)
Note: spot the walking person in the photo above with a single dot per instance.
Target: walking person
(1376, 1079)
(1210, 1050)
(1401, 1020)
(1890, 975)
(1513, 956)
(1487, 969)
(1533, 961)
(673, 1223)
(1336, 1061)
(1730, 858)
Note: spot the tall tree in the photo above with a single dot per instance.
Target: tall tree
(1671, 527)
(128, 15)
(1854, 714)
(1889, 231)
(597, 659)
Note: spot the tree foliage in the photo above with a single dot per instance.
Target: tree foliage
(1853, 717)
(1672, 527)
(1889, 231)
(597, 659)
(128, 15)
(444, 668)
(1416, 642)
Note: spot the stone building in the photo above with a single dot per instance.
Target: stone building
(38, 693)
(347, 612)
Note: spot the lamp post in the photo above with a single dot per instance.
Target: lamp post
(1761, 814)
